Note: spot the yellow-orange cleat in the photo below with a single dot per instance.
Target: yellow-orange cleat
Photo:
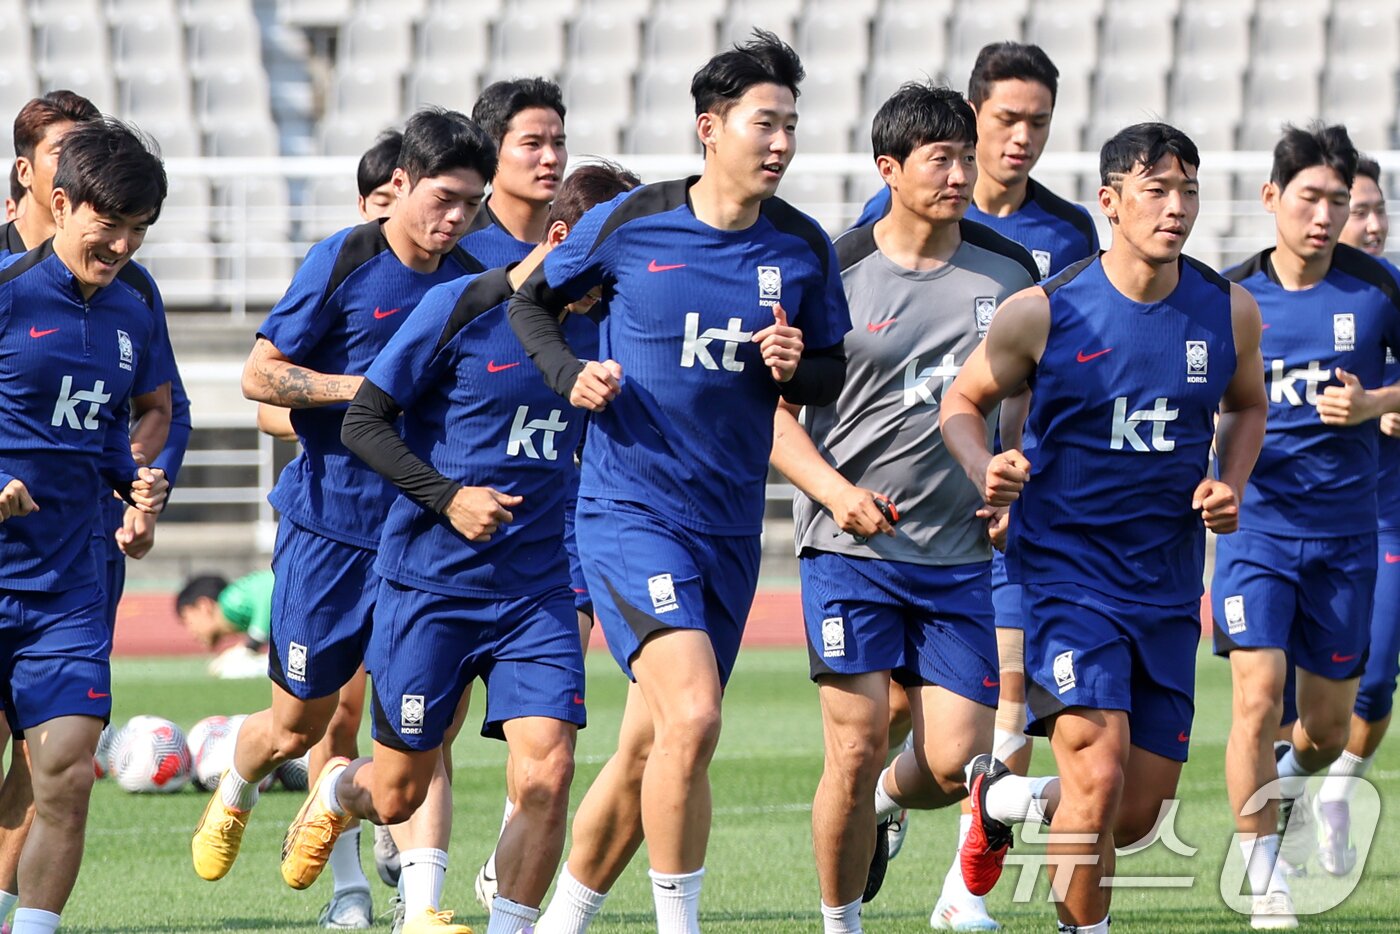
(307, 845)
(434, 922)
(217, 838)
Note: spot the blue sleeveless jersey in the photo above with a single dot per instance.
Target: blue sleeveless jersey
(1123, 403)
(1313, 480)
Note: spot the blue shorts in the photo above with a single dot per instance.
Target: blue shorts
(1375, 697)
(925, 625)
(1310, 597)
(322, 611)
(647, 574)
(1006, 596)
(428, 647)
(1090, 649)
(582, 601)
(55, 656)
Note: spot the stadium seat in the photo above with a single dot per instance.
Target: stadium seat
(909, 36)
(1202, 89)
(1361, 95)
(346, 135)
(1215, 34)
(1364, 32)
(156, 92)
(596, 92)
(862, 9)
(455, 41)
(557, 10)
(527, 44)
(185, 213)
(453, 86)
(71, 40)
(232, 40)
(680, 34)
(1278, 88)
(1141, 34)
(376, 41)
(1126, 93)
(409, 9)
(1294, 34)
(822, 196)
(322, 14)
(144, 41)
(593, 135)
(663, 90)
(833, 41)
(93, 83)
(370, 93)
(607, 39)
(777, 15)
(829, 95)
(824, 134)
(256, 138)
(176, 136)
(660, 137)
(884, 78)
(51, 11)
(330, 207)
(237, 93)
(17, 86)
(1067, 34)
(1071, 112)
(637, 9)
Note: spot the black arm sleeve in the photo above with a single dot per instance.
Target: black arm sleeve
(368, 431)
(819, 377)
(534, 316)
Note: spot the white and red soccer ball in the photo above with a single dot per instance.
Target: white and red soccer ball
(151, 755)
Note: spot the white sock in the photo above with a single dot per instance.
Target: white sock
(1014, 800)
(346, 871)
(8, 900)
(572, 908)
(238, 793)
(1099, 928)
(1293, 780)
(844, 919)
(328, 791)
(507, 917)
(677, 898)
(1340, 783)
(34, 921)
(422, 876)
(1260, 858)
(885, 806)
(1006, 743)
(954, 888)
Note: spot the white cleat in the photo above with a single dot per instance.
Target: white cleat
(964, 914)
(485, 888)
(1298, 832)
(386, 856)
(896, 832)
(1273, 912)
(350, 910)
(1335, 852)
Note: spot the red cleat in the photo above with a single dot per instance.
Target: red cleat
(984, 850)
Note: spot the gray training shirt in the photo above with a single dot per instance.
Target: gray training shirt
(911, 331)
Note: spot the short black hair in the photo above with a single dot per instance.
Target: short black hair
(921, 113)
(437, 141)
(764, 59)
(199, 587)
(587, 185)
(17, 191)
(1138, 147)
(1300, 149)
(378, 163)
(500, 101)
(1010, 61)
(113, 168)
(1369, 168)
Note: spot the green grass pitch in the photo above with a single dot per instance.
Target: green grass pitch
(137, 876)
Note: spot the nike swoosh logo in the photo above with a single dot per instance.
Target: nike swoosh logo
(578, 699)
(93, 695)
(1342, 659)
(873, 328)
(384, 314)
(1086, 357)
(655, 267)
(1183, 737)
(34, 332)
(989, 683)
(493, 367)
(1265, 327)
(1392, 559)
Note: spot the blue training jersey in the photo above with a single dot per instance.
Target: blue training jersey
(68, 369)
(1119, 436)
(690, 433)
(348, 298)
(481, 414)
(1057, 232)
(1388, 479)
(1313, 480)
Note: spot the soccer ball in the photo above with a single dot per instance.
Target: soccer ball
(204, 737)
(293, 774)
(151, 755)
(106, 745)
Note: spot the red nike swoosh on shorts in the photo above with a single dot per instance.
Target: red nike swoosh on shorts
(385, 314)
(1342, 659)
(654, 266)
(1183, 737)
(93, 695)
(989, 683)
(578, 699)
(1392, 559)
(493, 367)
(1086, 357)
(873, 327)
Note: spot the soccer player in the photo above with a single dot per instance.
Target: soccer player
(211, 608)
(909, 602)
(475, 575)
(1111, 579)
(79, 347)
(1297, 583)
(721, 299)
(349, 297)
(1366, 229)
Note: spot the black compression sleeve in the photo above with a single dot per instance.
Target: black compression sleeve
(369, 432)
(819, 377)
(534, 316)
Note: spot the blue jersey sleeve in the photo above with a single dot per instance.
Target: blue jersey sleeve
(588, 256)
(156, 364)
(877, 207)
(117, 467)
(177, 440)
(825, 317)
(410, 362)
(301, 318)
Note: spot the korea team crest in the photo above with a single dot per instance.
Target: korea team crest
(833, 637)
(662, 590)
(411, 711)
(1064, 671)
(1234, 615)
(296, 662)
(770, 285)
(1042, 261)
(983, 308)
(1344, 332)
(124, 349)
(1197, 361)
